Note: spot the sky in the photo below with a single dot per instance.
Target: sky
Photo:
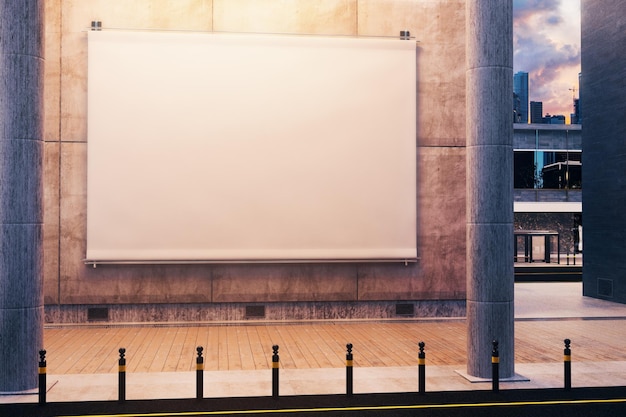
(546, 41)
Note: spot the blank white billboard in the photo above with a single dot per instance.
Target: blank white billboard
(207, 147)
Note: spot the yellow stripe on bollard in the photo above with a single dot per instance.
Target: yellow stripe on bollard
(495, 359)
(421, 361)
(122, 368)
(200, 367)
(348, 362)
(567, 358)
(42, 370)
(275, 365)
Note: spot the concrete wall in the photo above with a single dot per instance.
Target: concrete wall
(604, 148)
(355, 290)
(546, 137)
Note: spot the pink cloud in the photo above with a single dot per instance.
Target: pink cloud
(539, 29)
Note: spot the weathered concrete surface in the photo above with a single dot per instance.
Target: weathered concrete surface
(490, 275)
(440, 272)
(21, 206)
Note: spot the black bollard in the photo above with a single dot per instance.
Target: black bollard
(421, 367)
(567, 365)
(122, 376)
(275, 366)
(199, 373)
(495, 367)
(42, 377)
(349, 374)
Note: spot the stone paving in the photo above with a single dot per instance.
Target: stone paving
(82, 360)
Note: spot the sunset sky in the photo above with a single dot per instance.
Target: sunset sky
(547, 46)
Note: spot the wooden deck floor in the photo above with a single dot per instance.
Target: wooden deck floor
(89, 350)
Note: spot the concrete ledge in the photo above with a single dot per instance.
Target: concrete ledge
(232, 313)
(475, 379)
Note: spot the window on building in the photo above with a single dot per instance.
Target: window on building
(548, 169)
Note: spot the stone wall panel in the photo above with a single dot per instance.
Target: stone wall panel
(440, 272)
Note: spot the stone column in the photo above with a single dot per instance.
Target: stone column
(21, 213)
(489, 129)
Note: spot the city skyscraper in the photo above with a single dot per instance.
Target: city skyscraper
(580, 101)
(575, 116)
(536, 112)
(516, 108)
(520, 87)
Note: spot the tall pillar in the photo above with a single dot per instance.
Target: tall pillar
(489, 131)
(21, 214)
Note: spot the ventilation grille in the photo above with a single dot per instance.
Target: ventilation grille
(255, 312)
(605, 287)
(98, 314)
(405, 309)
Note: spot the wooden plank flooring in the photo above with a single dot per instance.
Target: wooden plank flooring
(88, 350)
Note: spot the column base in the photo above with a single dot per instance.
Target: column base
(486, 322)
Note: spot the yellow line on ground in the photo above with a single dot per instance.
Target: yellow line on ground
(365, 408)
(548, 273)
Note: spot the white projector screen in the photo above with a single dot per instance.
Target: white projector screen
(207, 147)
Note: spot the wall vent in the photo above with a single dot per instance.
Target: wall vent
(405, 309)
(255, 312)
(97, 314)
(605, 287)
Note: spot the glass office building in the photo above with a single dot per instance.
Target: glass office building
(520, 87)
(548, 181)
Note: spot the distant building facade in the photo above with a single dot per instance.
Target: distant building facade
(575, 117)
(517, 117)
(536, 112)
(548, 181)
(520, 87)
(555, 119)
